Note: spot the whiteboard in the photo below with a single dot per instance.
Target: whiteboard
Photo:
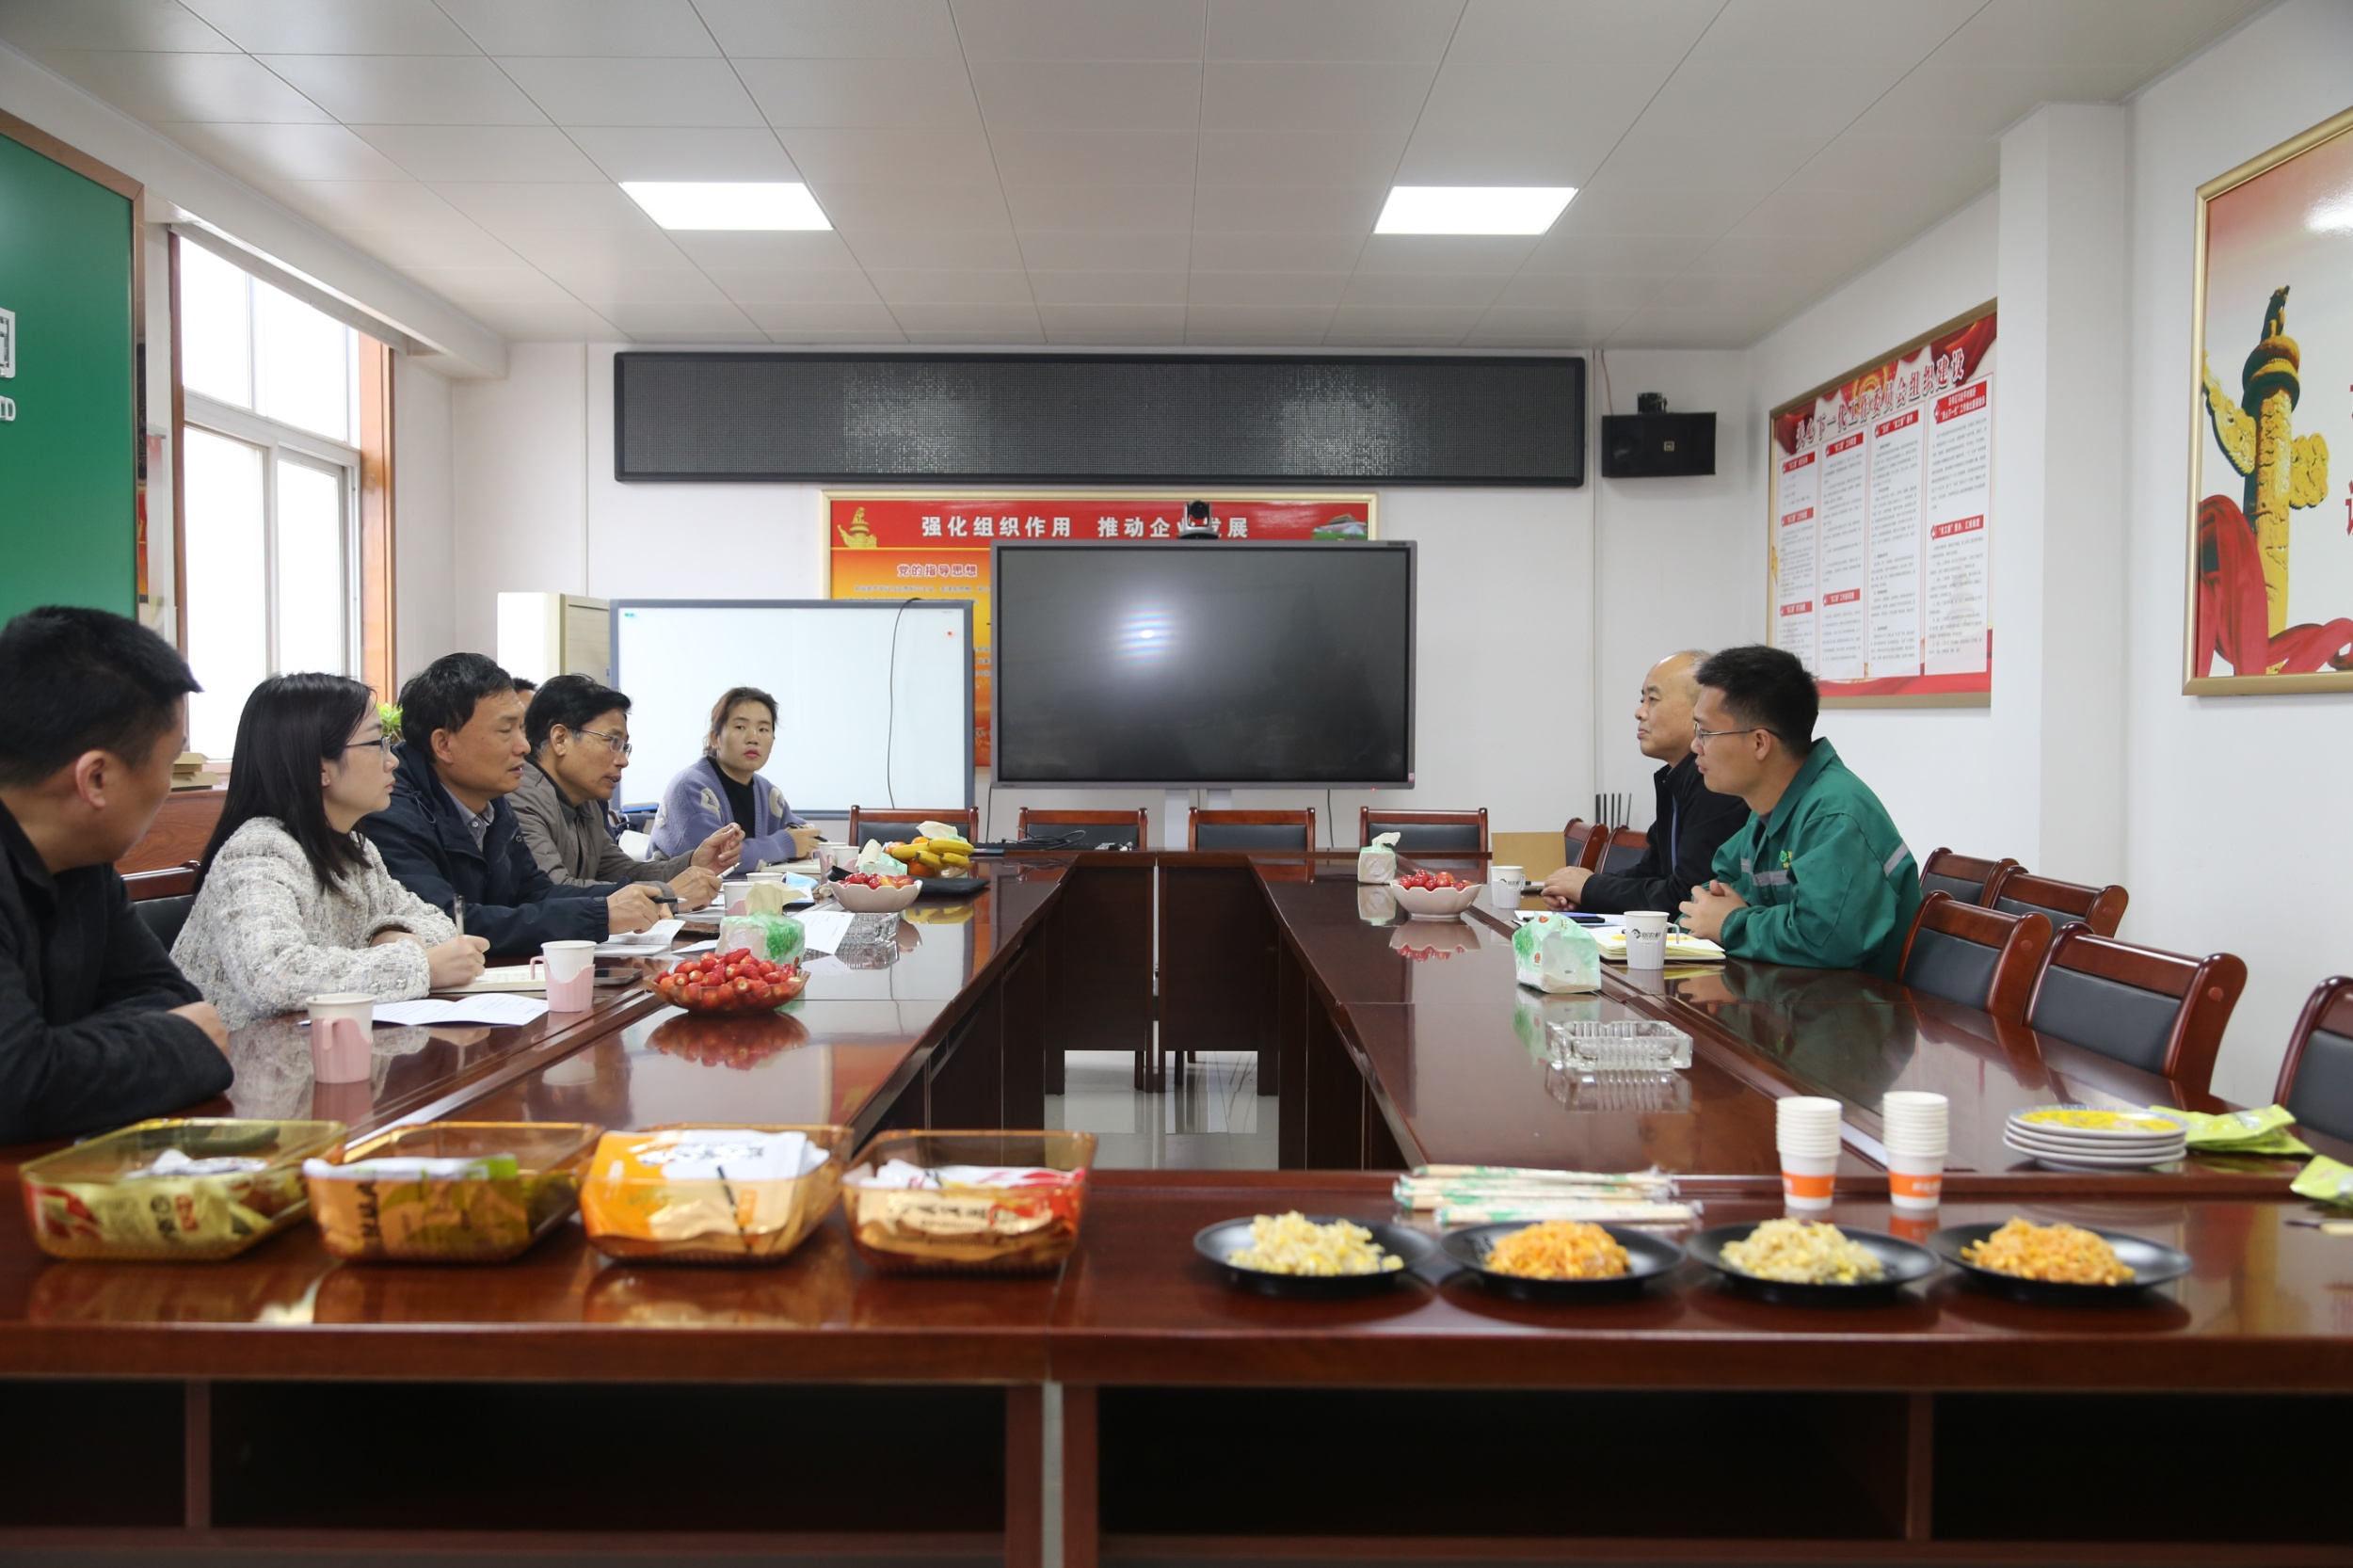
(849, 731)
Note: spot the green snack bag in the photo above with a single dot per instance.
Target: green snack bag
(2325, 1181)
(2263, 1132)
(1554, 954)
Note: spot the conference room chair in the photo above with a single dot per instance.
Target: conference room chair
(163, 898)
(897, 824)
(1964, 878)
(1583, 843)
(1624, 850)
(1086, 829)
(2316, 1080)
(2146, 1008)
(1425, 832)
(1293, 830)
(2021, 892)
(1980, 958)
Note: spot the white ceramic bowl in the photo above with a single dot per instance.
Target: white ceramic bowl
(861, 900)
(1435, 903)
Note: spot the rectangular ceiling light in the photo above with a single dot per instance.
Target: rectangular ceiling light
(1472, 209)
(727, 204)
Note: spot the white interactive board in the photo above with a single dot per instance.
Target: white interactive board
(875, 700)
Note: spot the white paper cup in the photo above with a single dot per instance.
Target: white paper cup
(1505, 886)
(570, 968)
(1806, 1124)
(733, 896)
(1807, 1179)
(831, 856)
(1915, 1181)
(1645, 940)
(343, 1026)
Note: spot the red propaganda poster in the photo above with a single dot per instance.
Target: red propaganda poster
(1879, 565)
(891, 545)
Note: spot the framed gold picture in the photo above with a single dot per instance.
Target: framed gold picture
(2270, 572)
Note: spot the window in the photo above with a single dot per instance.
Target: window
(271, 506)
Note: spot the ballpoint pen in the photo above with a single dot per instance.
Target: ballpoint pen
(457, 913)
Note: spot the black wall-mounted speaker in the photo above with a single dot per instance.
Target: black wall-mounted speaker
(1657, 446)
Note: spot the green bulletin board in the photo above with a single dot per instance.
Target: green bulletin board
(68, 502)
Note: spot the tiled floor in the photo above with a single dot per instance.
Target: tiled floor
(1215, 1120)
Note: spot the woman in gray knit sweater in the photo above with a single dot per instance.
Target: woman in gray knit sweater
(291, 900)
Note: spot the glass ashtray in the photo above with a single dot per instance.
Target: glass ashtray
(1619, 1045)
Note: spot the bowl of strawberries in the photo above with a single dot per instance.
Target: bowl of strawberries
(1433, 895)
(874, 893)
(728, 983)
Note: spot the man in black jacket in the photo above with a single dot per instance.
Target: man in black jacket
(1692, 821)
(450, 833)
(97, 1025)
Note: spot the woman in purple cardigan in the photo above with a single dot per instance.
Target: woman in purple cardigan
(725, 786)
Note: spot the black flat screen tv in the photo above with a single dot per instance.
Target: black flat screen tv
(1204, 664)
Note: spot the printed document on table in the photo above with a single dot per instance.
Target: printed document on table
(653, 940)
(506, 1010)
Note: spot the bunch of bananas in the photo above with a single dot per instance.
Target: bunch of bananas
(934, 856)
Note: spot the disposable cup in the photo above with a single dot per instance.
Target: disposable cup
(1806, 1124)
(343, 1026)
(1806, 1179)
(1505, 886)
(1915, 1181)
(570, 968)
(733, 896)
(1645, 940)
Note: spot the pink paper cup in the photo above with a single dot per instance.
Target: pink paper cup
(570, 971)
(343, 1026)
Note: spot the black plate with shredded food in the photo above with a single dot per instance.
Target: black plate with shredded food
(1647, 1258)
(1214, 1242)
(2152, 1263)
(1900, 1263)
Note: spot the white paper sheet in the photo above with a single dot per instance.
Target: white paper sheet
(506, 1010)
(640, 943)
(824, 929)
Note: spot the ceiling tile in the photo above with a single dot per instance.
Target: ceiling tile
(164, 88)
(802, 339)
(1376, 97)
(1006, 336)
(545, 323)
(1116, 95)
(2146, 36)
(1615, 205)
(634, 29)
(644, 320)
(1331, 30)
(905, 155)
(336, 27)
(1114, 323)
(1668, 160)
(1288, 323)
(1809, 35)
(1856, 162)
(163, 26)
(1081, 29)
(409, 245)
(1797, 101)
(1504, 326)
(1555, 291)
(517, 283)
(1098, 158)
(566, 252)
(1722, 328)
(670, 92)
(967, 318)
(598, 283)
(1652, 34)
(754, 252)
(259, 153)
(369, 203)
(1300, 157)
(1523, 123)
(1058, 250)
(1288, 209)
(822, 316)
(1231, 252)
(473, 154)
(552, 205)
(1446, 253)
(1107, 288)
(736, 339)
(699, 153)
(1386, 338)
(406, 89)
(915, 208)
(1115, 208)
(1358, 321)
(1420, 291)
(985, 249)
(830, 29)
(1567, 249)
(953, 288)
(1289, 290)
(771, 286)
(860, 92)
(1776, 295)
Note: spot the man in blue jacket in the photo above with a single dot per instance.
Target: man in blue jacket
(450, 833)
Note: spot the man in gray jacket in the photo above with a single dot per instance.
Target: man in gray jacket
(579, 736)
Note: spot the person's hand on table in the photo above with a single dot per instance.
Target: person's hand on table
(694, 887)
(207, 1017)
(1705, 911)
(455, 963)
(633, 908)
(718, 853)
(1564, 887)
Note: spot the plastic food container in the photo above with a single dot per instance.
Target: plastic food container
(969, 1202)
(492, 1190)
(193, 1187)
(636, 1206)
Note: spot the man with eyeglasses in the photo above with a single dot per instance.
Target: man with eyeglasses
(579, 736)
(1818, 876)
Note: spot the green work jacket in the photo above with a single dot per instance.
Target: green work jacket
(1829, 882)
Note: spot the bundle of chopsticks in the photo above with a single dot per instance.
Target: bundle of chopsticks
(1489, 1194)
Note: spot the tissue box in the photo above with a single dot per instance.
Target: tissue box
(1554, 955)
(1377, 861)
(778, 938)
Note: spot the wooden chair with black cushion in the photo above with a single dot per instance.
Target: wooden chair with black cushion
(1247, 830)
(1583, 843)
(2022, 893)
(2158, 1011)
(1425, 832)
(896, 825)
(1623, 851)
(2316, 1080)
(1963, 876)
(1085, 829)
(1980, 958)
(163, 899)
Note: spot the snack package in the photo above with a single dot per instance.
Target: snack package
(2263, 1132)
(966, 1215)
(740, 1190)
(2325, 1181)
(777, 937)
(1554, 955)
(199, 1215)
(447, 1209)
(1377, 860)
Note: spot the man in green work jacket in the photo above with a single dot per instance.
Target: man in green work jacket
(1818, 876)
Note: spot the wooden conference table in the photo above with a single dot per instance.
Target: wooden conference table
(281, 1400)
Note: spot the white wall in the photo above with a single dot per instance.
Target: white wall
(424, 541)
(521, 465)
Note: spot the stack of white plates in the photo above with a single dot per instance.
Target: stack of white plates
(2087, 1138)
